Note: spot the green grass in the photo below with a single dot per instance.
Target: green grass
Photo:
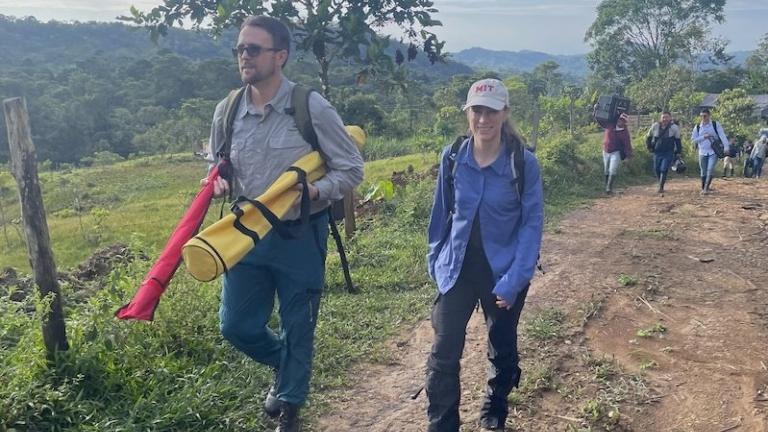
(546, 324)
(657, 330)
(177, 374)
(626, 280)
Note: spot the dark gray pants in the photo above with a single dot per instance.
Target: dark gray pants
(450, 315)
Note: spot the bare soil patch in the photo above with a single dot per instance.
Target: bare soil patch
(652, 316)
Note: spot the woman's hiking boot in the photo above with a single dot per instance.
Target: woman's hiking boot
(492, 423)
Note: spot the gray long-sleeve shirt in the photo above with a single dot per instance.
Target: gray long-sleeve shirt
(265, 144)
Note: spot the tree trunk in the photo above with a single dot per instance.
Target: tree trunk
(4, 222)
(570, 114)
(24, 170)
(536, 120)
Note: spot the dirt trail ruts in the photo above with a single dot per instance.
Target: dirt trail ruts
(665, 325)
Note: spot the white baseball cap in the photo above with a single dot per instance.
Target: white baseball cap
(487, 92)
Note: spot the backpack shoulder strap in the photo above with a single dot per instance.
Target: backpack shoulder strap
(451, 170)
(517, 164)
(230, 111)
(453, 152)
(299, 109)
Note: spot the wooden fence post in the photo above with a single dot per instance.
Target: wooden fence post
(24, 170)
(349, 215)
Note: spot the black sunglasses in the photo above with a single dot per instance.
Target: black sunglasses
(252, 49)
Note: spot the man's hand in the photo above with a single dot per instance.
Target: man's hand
(314, 192)
(220, 186)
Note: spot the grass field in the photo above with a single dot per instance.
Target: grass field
(178, 374)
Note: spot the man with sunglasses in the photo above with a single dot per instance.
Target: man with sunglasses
(265, 141)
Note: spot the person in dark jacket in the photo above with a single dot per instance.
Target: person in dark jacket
(484, 239)
(617, 146)
(663, 140)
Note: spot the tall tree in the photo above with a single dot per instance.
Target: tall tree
(757, 67)
(544, 80)
(736, 109)
(630, 38)
(654, 92)
(328, 29)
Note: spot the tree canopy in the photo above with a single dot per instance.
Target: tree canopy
(328, 29)
(630, 38)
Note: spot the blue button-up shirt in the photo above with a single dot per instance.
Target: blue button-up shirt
(511, 229)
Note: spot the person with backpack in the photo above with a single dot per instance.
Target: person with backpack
(730, 159)
(261, 135)
(748, 162)
(663, 140)
(617, 146)
(484, 237)
(758, 156)
(709, 138)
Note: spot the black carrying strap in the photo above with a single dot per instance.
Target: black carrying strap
(299, 109)
(282, 229)
(342, 254)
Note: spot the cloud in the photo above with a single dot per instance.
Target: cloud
(518, 8)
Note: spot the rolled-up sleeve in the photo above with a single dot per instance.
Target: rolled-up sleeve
(342, 158)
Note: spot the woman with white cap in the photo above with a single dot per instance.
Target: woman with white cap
(484, 238)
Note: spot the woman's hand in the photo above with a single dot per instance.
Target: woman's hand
(502, 304)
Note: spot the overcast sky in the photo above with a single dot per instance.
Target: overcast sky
(553, 26)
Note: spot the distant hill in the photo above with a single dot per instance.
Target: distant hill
(526, 61)
(520, 61)
(29, 41)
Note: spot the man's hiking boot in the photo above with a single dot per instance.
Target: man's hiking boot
(289, 418)
(272, 403)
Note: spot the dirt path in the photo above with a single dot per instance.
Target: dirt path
(652, 316)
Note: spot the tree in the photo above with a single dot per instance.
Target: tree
(328, 29)
(543, 81)
(757, 67)
(654, 92)
(630, 38)
(735, 109)
(718, 80)
(573, 93)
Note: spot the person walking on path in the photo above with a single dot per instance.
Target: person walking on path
(617, 146)
(706, 134)
(758, 156)
(264, 142)
(663, 140)
(484, 237)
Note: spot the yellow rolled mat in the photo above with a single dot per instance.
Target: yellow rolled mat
(220, 246)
